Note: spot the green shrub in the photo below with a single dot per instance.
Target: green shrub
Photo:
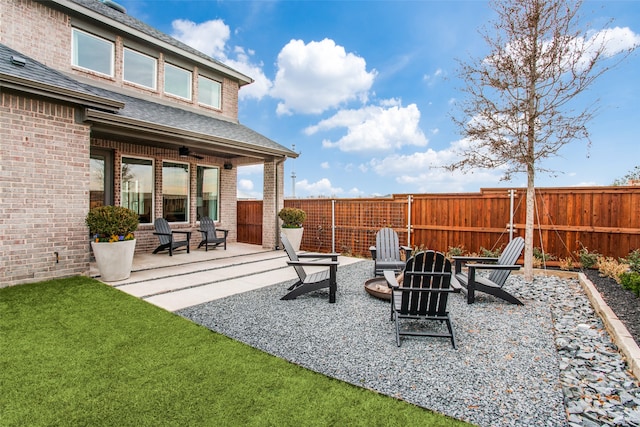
(631, 281)
(633, 259)
(455, 251)
(292, 217)
(484, 252)
(111, 223)
(587, 259)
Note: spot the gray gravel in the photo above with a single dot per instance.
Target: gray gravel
(504, 373)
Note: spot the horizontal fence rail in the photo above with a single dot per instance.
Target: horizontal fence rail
(601, 219)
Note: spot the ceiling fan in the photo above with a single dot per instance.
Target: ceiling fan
(185, 152)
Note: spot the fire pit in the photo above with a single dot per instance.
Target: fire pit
(378, 288)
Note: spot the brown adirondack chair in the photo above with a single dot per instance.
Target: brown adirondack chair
(325, 278)
(386, 252)
(493, 284)
(423, 294)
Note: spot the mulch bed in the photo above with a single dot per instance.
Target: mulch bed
(623, 303)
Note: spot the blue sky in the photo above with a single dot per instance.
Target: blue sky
(365, 90)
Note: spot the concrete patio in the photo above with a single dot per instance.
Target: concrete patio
(188, 279)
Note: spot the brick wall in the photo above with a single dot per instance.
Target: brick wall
(44, 34)
(273, 201)
(44, 183)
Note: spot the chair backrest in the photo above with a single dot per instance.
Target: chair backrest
(209, 226)
(425, 303)
(293, 256)
(509, 256)
(387, 245)
(162, 226)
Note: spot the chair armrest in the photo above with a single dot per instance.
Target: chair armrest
(333, 256)
(157, 233)
(312, 263)
(493, 267)
(460, 260)
(225, 231)
(390, 277)
(188, 233)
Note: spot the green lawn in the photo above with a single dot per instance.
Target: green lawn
(78, 352)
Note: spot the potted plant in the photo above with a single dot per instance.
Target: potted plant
(112, 240)
(292, 219)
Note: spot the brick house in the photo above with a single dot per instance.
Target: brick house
(96, 108)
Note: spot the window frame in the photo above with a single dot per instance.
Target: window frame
(190, 85)
(152, 184)
(199, 188)
(206, 104)
(126, 49)
(188, 188)
(75, 54)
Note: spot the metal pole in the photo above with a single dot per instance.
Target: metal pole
(409, 199)
(333, 226)
(512, 194)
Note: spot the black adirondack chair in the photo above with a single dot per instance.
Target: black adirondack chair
(386, 252)
(325, 278)
(493, 284)
(167, 239)
(210, 234)
(423, 295)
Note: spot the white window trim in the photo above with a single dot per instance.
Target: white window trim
(190, 98)
(219, 183)
(155, 69)
(111, 60)
(217, 107)
(153, 183)
(188, 213)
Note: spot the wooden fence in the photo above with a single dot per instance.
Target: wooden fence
(602, 219)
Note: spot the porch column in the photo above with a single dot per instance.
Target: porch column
(272, 201)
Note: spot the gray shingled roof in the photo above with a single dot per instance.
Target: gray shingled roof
(143, 111)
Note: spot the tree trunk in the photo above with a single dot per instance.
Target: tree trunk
(528, 229)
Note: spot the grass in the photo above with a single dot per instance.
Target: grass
(78, 352)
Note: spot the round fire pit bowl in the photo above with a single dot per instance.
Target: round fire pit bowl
(378, 288)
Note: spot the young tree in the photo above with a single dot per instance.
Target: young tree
(634, 175)
(518, 108)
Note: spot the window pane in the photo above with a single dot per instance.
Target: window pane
(96, 181)
(92, 53)
(209, 92)
(207, 189)
(137, 187)
(139, 69)
(177, 81)
(175, 192)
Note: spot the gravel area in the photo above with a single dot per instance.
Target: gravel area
(503, 373)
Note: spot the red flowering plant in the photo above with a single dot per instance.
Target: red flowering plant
(112, 223)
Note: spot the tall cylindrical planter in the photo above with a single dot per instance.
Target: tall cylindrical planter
(294, 235)
(115, 259)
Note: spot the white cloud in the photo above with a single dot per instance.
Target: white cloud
(251, 170)
(246, 190)
(374, 128)
(314, 77)
(424, 172)
(210, 38)
(322, 187)
(325, 165)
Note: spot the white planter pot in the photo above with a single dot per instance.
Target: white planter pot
(294, 235)
(114, 260)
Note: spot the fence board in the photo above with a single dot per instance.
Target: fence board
(603, 219)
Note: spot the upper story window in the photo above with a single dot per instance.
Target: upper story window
(93, 53)
(139, 69)
(209, 92)
(177, 81)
